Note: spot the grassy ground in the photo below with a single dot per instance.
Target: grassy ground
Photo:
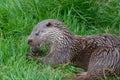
(18, 17)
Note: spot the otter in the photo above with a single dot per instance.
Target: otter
(98, 54)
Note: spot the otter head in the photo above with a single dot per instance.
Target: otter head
(44, 33)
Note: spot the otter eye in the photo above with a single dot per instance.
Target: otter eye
(37, 34)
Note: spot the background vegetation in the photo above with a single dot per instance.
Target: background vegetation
(18, 17)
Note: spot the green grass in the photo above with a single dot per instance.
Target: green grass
(18, 17)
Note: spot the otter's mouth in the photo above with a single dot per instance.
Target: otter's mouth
(35, 50)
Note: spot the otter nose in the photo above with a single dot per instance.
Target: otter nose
(30, 41)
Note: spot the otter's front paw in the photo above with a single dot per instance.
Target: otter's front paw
(32, 55)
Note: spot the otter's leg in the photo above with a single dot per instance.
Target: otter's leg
(53, 59)
(34, 55)
(99, 65)
(47, 60)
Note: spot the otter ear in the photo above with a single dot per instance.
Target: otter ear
(48, 24)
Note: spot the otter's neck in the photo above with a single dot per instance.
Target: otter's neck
(61, 48)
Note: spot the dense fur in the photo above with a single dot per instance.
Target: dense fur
(98, 54)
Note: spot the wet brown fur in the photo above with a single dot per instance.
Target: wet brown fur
(98, 54)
